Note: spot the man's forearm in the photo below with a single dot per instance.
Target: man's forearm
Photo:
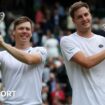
(18, 54)
(21, 55)
(89, 61)
(96, 59)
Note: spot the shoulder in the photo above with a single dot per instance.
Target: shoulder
(4, 55)
(3, 52)
(66, 39)
(42, 50)
(99, 37)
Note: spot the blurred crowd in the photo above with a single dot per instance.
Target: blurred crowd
(49, 25)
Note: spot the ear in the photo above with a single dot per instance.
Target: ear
(13, 35)
(73, 20)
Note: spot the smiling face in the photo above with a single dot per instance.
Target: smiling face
(82, 19)
(23, 32)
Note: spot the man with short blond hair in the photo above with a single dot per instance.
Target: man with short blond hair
(22, 66)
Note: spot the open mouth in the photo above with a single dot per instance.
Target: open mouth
(24, 37)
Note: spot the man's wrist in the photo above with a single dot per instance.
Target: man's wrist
(5, 45)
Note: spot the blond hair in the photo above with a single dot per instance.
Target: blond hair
(20, 20)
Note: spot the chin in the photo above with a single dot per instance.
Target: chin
(87, 27)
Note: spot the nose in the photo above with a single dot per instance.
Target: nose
(24, 30)
(84, 17)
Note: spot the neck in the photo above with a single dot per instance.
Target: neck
(22, 46)
(86, 34)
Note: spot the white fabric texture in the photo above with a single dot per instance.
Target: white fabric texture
(88, 85)
(25, 79)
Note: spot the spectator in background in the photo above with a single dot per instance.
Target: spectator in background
(58, 95)
(39, 16)
(52, 85)
(84, 58)
(35, 35)
(45, 90)
(51, 43)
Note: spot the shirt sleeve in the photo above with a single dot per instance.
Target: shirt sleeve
(68, 48)
(43, 53)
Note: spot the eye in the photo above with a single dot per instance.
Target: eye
(28, 29)
(24, 28)
(21, 28)
(86, 14)
(79, 17)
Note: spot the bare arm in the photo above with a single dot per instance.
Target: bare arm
(21, 55)
(89, 61)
